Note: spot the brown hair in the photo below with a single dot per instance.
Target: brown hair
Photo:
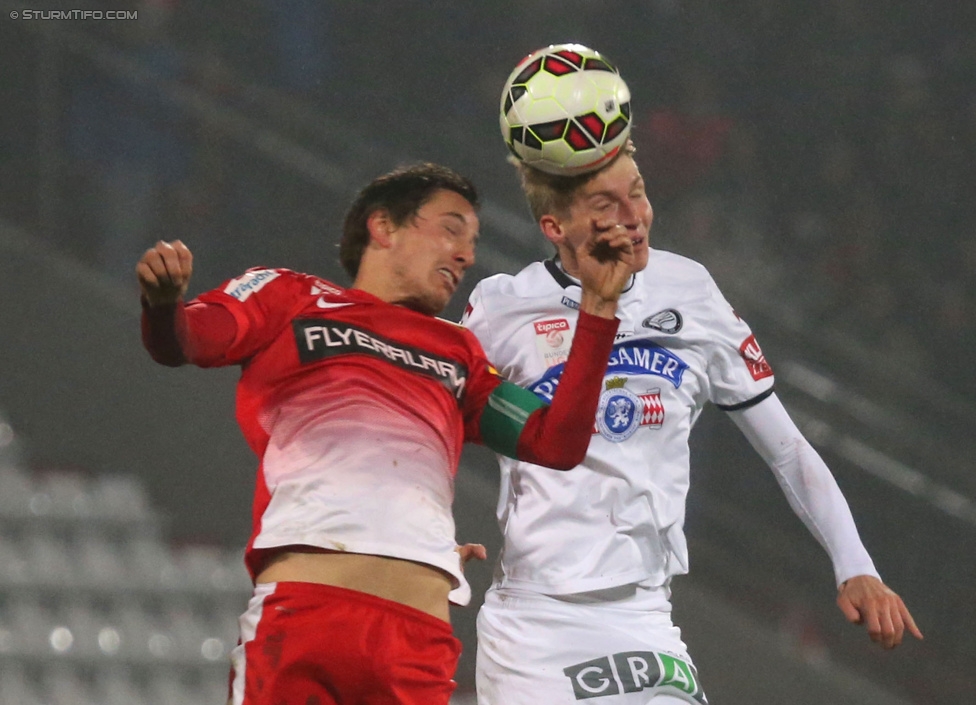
(401, 192)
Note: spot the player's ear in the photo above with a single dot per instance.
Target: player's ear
(380, 226)
(552, 229)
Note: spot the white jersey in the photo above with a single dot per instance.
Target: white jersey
(618, 518)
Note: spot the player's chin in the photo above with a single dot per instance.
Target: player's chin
(430, 305)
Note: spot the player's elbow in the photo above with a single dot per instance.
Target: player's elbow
(167, 358)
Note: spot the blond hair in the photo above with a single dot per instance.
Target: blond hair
(550, 194)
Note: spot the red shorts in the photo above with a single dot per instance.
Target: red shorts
(310, 644)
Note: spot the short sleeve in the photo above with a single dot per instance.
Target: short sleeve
(738, 372)
(482, 381)
(262, 302)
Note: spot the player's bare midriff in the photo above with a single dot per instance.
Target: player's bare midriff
(413, 584)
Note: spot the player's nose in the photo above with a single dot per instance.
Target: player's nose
(464, 255)
(627, 214)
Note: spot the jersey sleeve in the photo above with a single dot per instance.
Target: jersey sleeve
(197, 333)
(498, 410)
(738, 373)
(261, 301)
(808, 484)
(483, 380)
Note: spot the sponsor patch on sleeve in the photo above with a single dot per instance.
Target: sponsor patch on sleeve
(754, 359)
(249, 283)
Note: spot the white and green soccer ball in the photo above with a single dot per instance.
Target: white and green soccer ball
(565, 110)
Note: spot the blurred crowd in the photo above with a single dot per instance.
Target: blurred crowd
(832, 143)
(825, 149)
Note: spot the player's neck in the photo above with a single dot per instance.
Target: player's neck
(566, 261)
(375, 284)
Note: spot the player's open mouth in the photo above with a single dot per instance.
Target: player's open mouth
(451, 277)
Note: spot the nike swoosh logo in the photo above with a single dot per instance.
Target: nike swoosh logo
(322, 303)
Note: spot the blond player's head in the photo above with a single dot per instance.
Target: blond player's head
(551, 194)
(569, 208)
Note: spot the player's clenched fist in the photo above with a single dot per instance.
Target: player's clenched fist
(164, 272)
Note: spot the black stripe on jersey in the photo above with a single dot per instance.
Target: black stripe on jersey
(318, 339)
(565, 281)
(746, 404)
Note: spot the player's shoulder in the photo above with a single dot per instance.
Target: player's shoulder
(256, 279)
(450, 325)
(453, 333)
(665, 265)
(678, 276)
(531, 282)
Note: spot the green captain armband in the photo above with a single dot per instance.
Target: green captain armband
(504, 417)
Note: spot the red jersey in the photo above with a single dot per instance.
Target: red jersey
(360, 433)
(359, 409)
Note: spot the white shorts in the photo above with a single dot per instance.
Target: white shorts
(615, 647)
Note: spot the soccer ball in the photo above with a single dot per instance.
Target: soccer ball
(565, 110)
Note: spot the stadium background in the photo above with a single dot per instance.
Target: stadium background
(818, 157)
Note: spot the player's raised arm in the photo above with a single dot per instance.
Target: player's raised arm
(518, 424)
(173, 333)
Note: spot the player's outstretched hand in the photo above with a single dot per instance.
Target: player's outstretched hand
(605, 261)
(866, 600)
(164, 272)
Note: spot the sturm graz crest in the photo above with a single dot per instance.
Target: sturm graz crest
(619, 414)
